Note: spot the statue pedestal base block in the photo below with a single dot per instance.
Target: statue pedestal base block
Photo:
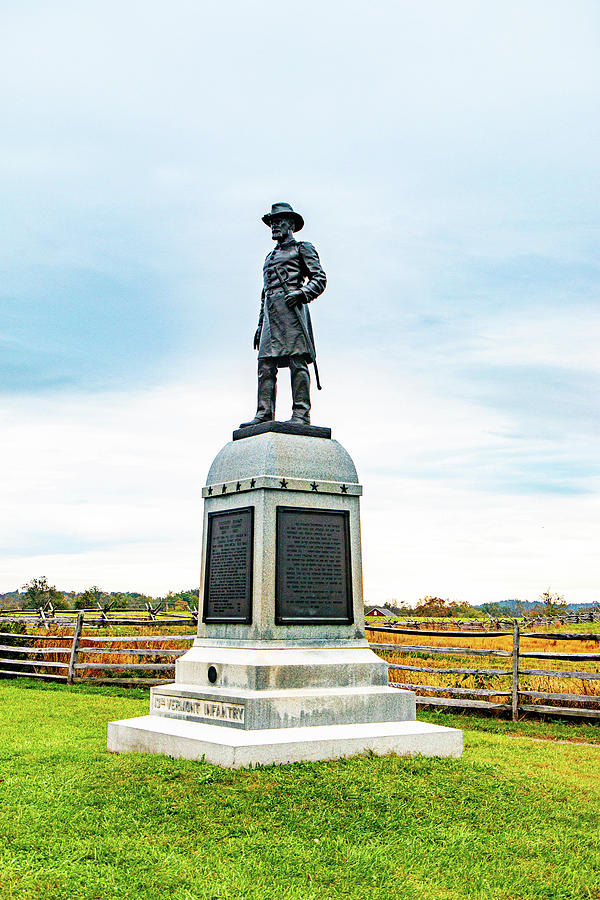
(280, 670)
(235, 749)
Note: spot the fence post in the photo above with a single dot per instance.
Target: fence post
(74, 648)
(515, 673)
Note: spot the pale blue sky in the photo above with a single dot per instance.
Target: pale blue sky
(445, 158)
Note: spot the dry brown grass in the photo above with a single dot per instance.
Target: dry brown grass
(502, 683)
(484, 642)
(126, 657)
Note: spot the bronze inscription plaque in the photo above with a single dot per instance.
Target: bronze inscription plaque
(313, 577)
(229, 557)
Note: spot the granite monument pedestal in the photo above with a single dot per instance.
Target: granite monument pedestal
(280, 670)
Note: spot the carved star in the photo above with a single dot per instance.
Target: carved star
(314, 486)
(344, 489)
(238, 486)
(283, 483)
(209, 491)
(224, 489)
(253, 482)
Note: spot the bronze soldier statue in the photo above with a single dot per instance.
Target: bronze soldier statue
(292, 278)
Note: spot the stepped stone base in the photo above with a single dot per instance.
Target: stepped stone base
(234, 748)
(288, 708)
(280, 670)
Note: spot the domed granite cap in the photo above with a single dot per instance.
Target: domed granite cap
(283, 455)
(284, 209)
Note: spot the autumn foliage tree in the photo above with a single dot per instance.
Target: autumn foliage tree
(39, 593)
(437, 608)
(550, 604)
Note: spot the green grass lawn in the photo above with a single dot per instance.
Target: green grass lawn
(514, 818)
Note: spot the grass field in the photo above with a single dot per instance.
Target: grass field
(517, 817)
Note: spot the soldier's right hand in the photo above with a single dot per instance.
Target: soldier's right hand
(256, 341)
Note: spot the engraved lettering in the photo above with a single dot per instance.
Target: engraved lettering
(202, 709)
(228, 580)
(313, 567)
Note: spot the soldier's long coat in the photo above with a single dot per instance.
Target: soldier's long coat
(281, 334)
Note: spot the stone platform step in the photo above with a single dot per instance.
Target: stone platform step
(234, 749)
(291, 708)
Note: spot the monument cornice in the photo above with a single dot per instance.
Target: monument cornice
(285, 485)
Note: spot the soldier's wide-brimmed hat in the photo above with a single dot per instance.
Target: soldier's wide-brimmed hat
(284, 209)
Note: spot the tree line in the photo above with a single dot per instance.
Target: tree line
(547, 604)
(39, 592)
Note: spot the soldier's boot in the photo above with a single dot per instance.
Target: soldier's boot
(267, 390)
(300, 391)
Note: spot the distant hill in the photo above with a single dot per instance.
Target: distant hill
(10, 599)
(513, 606)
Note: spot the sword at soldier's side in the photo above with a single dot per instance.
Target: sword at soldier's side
(309, 343)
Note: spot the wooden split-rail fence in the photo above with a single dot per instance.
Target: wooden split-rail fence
(514, 699)
(106, 613)
(92, 658)
(143, 659)
(493, 624)
(100, 616)
(592, 615)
